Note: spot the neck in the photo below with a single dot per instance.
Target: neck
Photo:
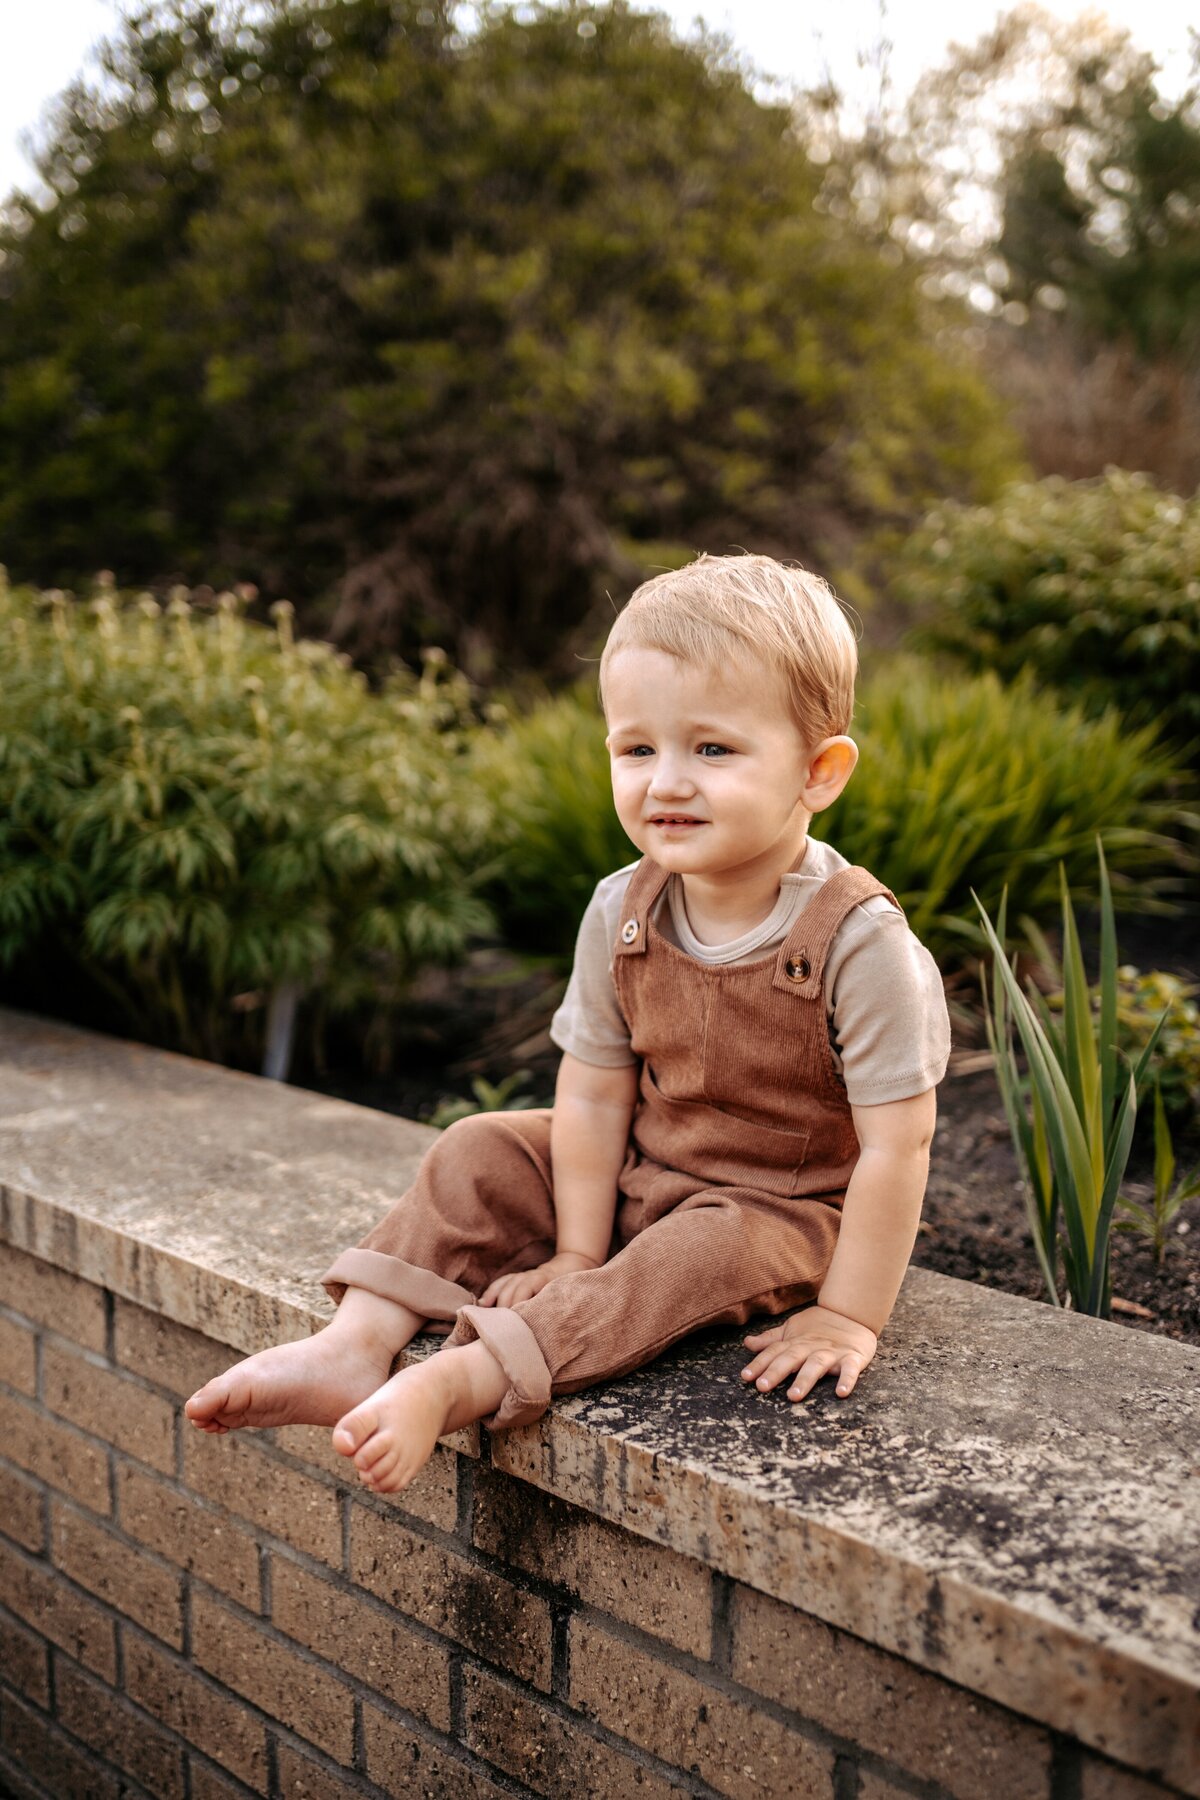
(733, 901)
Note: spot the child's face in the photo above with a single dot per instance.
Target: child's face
(708, 766)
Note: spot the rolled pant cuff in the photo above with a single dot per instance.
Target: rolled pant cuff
(419, 1289)
(509, 1339)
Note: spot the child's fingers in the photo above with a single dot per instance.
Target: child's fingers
(771, 1367)
(849, 1371)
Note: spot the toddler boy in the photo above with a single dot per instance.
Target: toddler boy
(751, 1041)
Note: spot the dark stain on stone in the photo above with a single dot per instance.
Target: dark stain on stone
(970, 1514)
(933, 1623)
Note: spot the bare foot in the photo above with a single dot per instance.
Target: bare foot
(391, 1436)
(307, 1383)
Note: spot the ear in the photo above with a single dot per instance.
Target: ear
(829, 769)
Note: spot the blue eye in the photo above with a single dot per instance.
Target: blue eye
(639, 750)
(720, 749)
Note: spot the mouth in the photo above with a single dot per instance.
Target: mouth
(669, 821)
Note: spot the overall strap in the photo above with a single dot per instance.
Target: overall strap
(800, 964)
(645, 885)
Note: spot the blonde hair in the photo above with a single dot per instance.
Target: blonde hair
(751, 607)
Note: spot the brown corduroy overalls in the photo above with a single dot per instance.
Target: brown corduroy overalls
(741, 1147)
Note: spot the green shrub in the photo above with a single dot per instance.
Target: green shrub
(195, 810)
(1092, 585)
(966, 784)
(546, 776)
(1141, 1000)
(962, 784)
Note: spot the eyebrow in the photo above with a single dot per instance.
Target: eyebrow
(710, 725)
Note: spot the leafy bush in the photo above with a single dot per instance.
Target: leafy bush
(966, 784)
(1092, 585)
(1142, 999)
(555, 833)
(962, 784)
(195, 810)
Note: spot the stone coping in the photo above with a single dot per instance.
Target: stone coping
(1010, 1497)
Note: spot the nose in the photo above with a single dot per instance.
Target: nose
(671, 778)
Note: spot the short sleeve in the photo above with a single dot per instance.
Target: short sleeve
(590, 1024)
(889, 1020)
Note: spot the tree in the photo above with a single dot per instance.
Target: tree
(445, 333)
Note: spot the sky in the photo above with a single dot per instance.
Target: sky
(43, 46)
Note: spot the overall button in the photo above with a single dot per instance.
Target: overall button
(798, 969)
(629, 930)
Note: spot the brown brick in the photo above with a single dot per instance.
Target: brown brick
(432, 1496)
(61, 1769)
(35, 1594)
(170, 1355)
(551, 1754)
(134, 1420)
(68, 1305)
(656, 1589)
(363, 1639)
(209, 1784)
(177, 1527)
(913, 1718)
(283, 1684)
(54, 1452)
(472, 1605)
(124, 1737)
(729, 1743)
(401, 1763)
(22, 1513)
(18, 1356)
(199, 1712)
(874, 1786)
(25, 1662)
(291, 1506)
(1104, 1780)
(302, 1777)
(123, 1576)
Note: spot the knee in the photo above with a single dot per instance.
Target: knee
(480, 1134)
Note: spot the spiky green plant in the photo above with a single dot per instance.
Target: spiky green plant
(1072, 1119)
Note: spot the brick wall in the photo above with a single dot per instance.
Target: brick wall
(200, 1618)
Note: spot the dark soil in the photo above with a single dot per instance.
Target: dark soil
(490, 1020)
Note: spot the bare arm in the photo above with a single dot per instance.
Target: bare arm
(879, 1226)
(589, 1134)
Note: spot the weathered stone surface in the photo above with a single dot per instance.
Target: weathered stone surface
(1010, 1497)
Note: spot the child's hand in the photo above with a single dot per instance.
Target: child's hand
(509, 1289)
(815, 1341)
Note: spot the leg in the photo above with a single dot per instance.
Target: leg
(311, 1382)
(719, 1256)
(391, 1436)
(480, 1206)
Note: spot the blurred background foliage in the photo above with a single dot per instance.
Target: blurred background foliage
(431, 332)
(450, 330)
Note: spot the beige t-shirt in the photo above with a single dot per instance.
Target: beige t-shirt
(888, 1025)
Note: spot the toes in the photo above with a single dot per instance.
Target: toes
(352, 1432)
(206, 1402)
(374, 1454)
(385, 1476)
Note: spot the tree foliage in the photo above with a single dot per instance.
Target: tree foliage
(445, 331)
